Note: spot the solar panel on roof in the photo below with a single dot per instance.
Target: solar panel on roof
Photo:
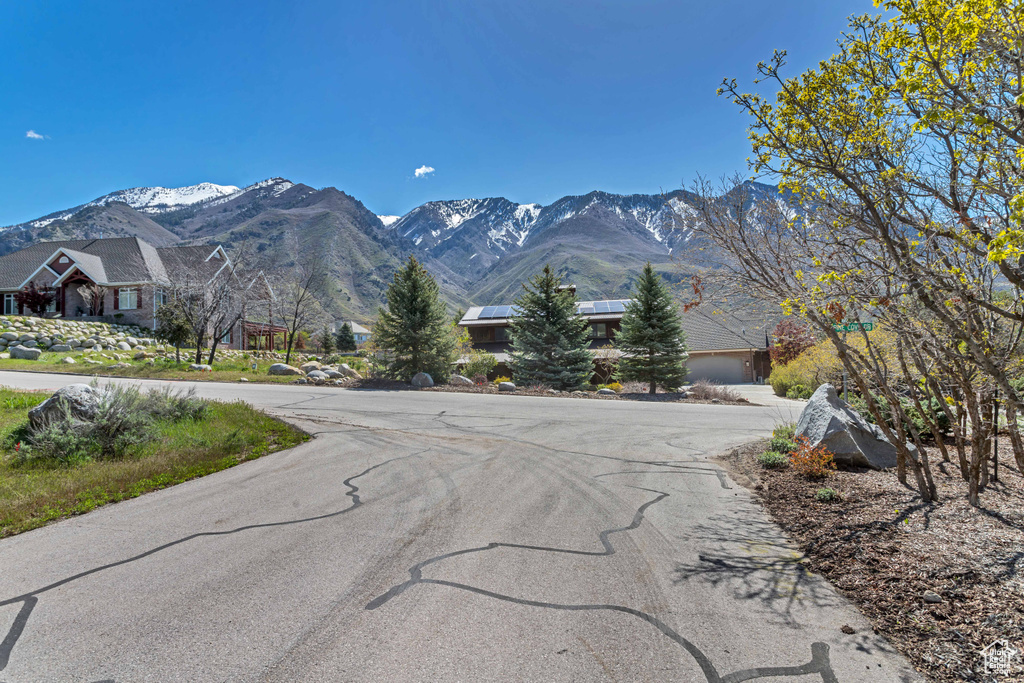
(488, 312)
(601, 307)
(586, 309)
(616, 306)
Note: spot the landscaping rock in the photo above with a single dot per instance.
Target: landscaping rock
(123, 346)
(607, 392)
(853, 441)
(243, 379)
(131, 341)
(81, 400)
(30, 344)
(316, 375)
(460, 381)
(506, 386)
(60, 348)
(310, 367)
(68, 360)
(282, 369)
(141, 355)
(121, 366)
(422, 379)
(333, 374)
(200, 367)
(349, 372)
(24, 353)
(932, 598)
(9, 336)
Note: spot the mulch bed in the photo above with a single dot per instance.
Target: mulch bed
(883, 548)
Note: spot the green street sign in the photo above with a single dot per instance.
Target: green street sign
(854, 327)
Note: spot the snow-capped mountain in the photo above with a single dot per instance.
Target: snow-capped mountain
(149, 200)
(388, 220)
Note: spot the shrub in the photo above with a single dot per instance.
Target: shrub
(480, 380)
(785, 431)
(480, 363)
(782, 444)
(703, 390)
(166, 404)
(773, 460)
(499, 380)
(813, 462)
(827, 495)
(614, 386)
(799, 391)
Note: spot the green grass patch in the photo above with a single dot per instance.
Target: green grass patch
(34, 492)
(228, 370)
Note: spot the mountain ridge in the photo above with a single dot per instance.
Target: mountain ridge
(480, 250)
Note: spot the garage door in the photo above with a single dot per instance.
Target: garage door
(720, 369)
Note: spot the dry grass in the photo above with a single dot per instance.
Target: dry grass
(33, 493)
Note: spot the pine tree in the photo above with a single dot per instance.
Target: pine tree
(327, 341)
(415, 330)
(652, 336)
(346, 340)
(549, 339)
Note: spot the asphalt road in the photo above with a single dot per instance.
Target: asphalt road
(438, 537)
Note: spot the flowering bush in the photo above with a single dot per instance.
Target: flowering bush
(814, 462)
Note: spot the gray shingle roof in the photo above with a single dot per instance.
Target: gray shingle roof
(119, 260)
(713, 331)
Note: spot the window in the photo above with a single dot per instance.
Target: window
(63, 259)
(226, 339)
(10, 305)
(127, 298)
(53, 307)
(161, 297)
(599, 331)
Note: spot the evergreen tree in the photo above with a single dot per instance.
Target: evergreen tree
(549, 339)
(346, 340)
(327, 340)
(415, 330)
(652, 336)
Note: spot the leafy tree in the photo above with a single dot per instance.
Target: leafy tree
(36, 299)
(414, 330)
(549, 339)
(346, 340)
(791, 339)
(652, 336)
(173, 327)
(301, 288)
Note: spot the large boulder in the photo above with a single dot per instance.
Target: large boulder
(60, 348)
(310, 366)
(853, 441)
(422, 379)
(24, 353)
(123, 346)
(200, 367)
(333, 374)
(282, 369)
(506, 386)
(80, 400)
(9, 336)
(317, 374)
(460, 381)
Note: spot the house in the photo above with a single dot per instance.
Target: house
(726, 348)
(488, 328)
(122, 280)
(723, 348)
(361, 334)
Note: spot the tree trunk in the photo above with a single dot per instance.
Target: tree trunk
(288, 352)
(654, 389)
(199, 348)
(213, 351)
(177, 353)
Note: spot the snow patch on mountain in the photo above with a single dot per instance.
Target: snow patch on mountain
(161, 199)
(388, 221)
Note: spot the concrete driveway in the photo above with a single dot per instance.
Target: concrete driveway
(438, 537)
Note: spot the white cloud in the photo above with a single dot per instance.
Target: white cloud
(424, 171)
(32, 135)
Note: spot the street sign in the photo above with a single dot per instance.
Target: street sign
(854, 327)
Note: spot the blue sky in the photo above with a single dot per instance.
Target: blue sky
(531, 100)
